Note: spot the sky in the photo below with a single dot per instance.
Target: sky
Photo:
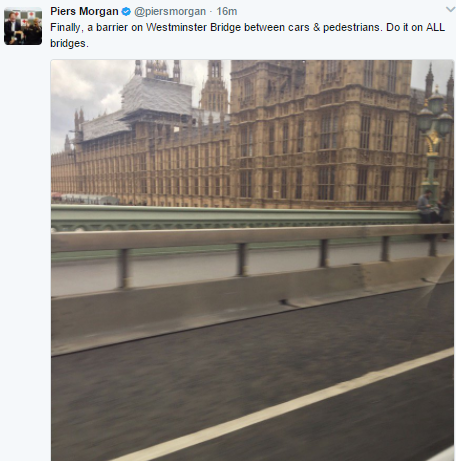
(95, 86)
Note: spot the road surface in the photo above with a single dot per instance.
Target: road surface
(116, 400)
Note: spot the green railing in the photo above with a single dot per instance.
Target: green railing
(69, 218)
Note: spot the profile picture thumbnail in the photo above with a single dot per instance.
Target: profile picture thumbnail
(23, 26)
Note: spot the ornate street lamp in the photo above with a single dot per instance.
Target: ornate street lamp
(434, 123)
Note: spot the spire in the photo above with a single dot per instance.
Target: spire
(67, 144)
(81, 116)
(450, 94)
(176, 71)
(138, 70)
(429, 82)
(76, 120)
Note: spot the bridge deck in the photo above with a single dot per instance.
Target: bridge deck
(120, 399)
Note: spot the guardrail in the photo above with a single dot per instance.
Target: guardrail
(124, 241)
(69, 218)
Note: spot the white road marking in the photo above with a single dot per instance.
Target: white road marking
(166, 448)
(447, 455)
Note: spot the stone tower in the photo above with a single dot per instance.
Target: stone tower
(214, 95)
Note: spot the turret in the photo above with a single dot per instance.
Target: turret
(138, 70)
(214, 70)
(176, 71)
(214, 95)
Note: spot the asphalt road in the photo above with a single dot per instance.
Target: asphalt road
(100, 275)
(120, 399)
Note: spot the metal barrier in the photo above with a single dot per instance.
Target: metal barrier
(124, 241)
(68, 218)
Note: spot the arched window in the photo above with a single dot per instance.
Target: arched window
(248, 86)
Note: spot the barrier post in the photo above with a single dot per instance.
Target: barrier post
(242, 260)
(385, 256)
(124, 279)
(324, 253)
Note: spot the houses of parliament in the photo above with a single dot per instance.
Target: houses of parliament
(292, 134)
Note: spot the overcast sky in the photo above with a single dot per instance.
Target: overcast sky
(95, 86)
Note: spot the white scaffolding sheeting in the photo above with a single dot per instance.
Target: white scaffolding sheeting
(156, 95)
(104, 126)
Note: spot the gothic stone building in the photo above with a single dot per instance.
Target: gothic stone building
(313, 134)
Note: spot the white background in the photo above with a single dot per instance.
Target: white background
(25, 163)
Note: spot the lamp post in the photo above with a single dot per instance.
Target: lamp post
(434, 123)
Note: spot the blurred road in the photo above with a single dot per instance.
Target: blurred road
(117, 400)
(101, 275)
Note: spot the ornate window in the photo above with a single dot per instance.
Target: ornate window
(246, 183)
(368, 73)
(331, 70)
(385, 184)
(196, 188)
(285, 138)
(416, 140)
(215, 70)
(365, 131)
(326, 182)
(196, 157)
(247, 141)
(217, 186)
(329, 127)
(271, 140)
(298, 191)
(248, 88)
(410, 183)
(270, 191)
(186, 158)
(283, 186)
(301, 136)
(361, 190)
(392, 76)
(388, 135)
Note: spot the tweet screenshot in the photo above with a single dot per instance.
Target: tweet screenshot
(233, 239)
